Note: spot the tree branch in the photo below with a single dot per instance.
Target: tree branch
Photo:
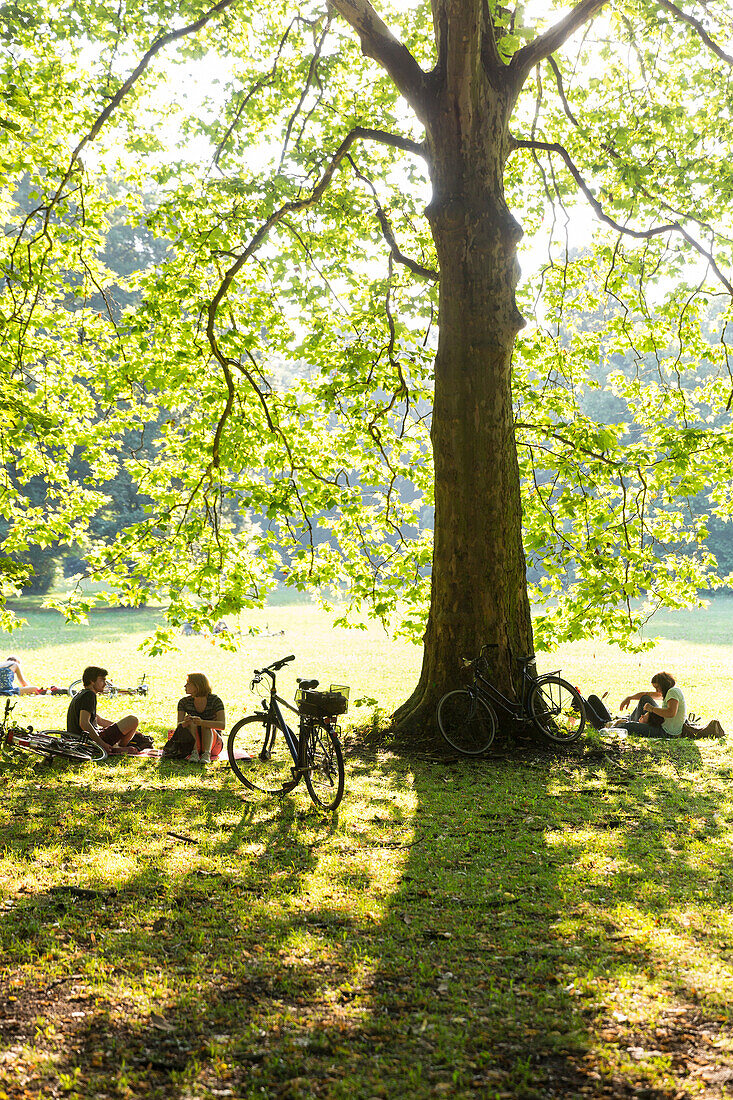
(157, 46)
(378, 42)
(74, 164)
(545, 44)
(638, 234)
(388, 232)
(698, 27)
(608, 148)
(294, 207)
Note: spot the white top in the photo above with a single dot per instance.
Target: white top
(673, 726)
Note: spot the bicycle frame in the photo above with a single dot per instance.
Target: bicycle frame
(486, 691)
(276, 720)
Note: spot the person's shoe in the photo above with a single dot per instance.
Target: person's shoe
(194, 757)
(205, 757)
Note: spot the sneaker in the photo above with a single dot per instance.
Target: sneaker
(205, 757)
(194, 757)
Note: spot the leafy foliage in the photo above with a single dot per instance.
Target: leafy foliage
(263, 375)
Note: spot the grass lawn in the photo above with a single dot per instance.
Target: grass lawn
(529, 925)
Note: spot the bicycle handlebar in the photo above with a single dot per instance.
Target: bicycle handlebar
(270, 670)
(275, 665)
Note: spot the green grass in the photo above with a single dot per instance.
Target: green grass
(530, 925)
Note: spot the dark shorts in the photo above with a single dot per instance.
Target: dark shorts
(111, 734)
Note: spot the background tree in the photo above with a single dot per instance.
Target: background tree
(315, 201)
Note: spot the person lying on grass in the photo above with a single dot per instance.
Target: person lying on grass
(10, 671)
(202, 712)
(82, 718)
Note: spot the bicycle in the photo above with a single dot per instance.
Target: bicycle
(467, 718)
(313, 753)
(142, 687)
(48, 743)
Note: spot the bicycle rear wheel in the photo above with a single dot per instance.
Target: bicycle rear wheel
(467, 723)
(325, 779)
(557, 709)
(44, 744)
(259, 756)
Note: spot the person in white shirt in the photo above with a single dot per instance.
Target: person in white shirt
(660, 713)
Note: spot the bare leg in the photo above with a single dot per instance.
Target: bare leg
(25, 687)
(128, 725)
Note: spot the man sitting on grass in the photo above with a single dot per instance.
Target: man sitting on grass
(82, 719)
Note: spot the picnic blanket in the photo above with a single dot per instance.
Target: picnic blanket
(157, 754)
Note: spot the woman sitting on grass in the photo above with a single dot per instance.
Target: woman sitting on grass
(658, 713)
(666, 702)
(202, 712)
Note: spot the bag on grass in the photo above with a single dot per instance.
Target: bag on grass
(141, 741)
(179, 745)
(698, 730)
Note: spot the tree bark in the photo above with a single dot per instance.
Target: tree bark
(479, 587)
(479, 591)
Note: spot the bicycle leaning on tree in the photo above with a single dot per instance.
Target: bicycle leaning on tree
(267, 755)
(467, 716)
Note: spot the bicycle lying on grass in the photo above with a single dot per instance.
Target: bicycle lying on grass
(48, 743)
(142, 687)
(467, 716)
(313, 753)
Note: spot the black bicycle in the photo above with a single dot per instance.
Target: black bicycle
(264, 763)
(47, 743)
(467, 718)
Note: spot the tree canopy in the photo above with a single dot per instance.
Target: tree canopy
(337, 195)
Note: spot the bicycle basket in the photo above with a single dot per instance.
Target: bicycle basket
(322, 704)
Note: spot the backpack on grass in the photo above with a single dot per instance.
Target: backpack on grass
(695, 728)
(141, 741)
(179, 745)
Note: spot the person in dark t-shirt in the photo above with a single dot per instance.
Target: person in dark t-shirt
(203, 714)
(82, 719)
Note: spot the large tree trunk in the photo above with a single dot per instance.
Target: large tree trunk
(479, 589)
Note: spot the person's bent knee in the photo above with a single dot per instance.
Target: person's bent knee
(127, 727)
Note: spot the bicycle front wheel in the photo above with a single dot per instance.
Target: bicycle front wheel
(82, 750)
(75, 687)
(325, 776)
(467, 723)
(259, 756)
(557, 709)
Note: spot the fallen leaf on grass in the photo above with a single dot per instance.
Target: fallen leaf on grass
(717, 1075)
(639, 1053)
(160, 1022)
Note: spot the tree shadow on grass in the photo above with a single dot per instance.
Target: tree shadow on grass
(523, 928)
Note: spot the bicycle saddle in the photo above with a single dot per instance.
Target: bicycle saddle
(307, 685)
